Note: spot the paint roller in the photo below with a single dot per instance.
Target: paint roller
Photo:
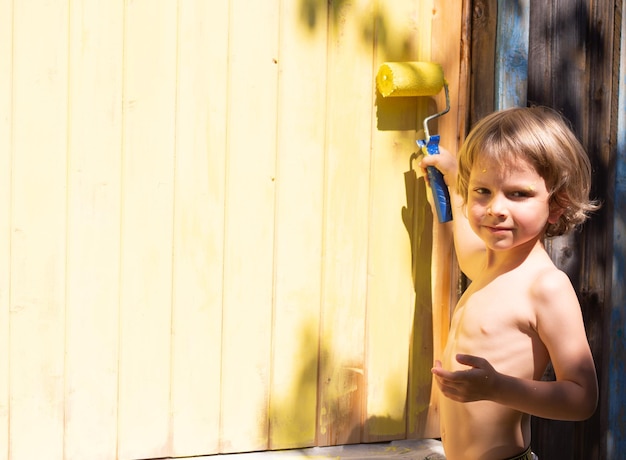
(410, 79)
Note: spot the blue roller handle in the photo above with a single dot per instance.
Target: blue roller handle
(441, 195)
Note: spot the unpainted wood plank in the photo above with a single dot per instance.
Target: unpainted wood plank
(93, 219)
(299, 214)
(38, 229)
(346, 222)
(146, 228)
(558, 59)
(465, 70)
(391, 297)
(616, 350)
(603, 57)
(249, 238)
(6, 152)
(553, 25)
(571, 68)
(447, 22)
(198, 227)
(483, 48)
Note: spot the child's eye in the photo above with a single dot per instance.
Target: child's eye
(481, 191)
(520, 194)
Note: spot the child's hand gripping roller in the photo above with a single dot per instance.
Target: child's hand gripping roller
(421, 79)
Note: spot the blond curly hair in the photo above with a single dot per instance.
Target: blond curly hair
(542, 138)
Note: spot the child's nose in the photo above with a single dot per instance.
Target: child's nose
(497, 206)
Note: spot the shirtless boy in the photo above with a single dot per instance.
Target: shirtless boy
(521, 176)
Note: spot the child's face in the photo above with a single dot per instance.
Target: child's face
(508, 206)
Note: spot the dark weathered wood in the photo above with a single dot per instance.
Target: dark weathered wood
(571, 68)
(482, 86)
(616, 317)
(614, 371)
(465, 72)
(546, 60)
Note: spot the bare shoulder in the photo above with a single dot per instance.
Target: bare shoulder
(550, 282)
(553, 294)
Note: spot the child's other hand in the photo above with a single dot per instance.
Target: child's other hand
(444, 162)
(474, 384)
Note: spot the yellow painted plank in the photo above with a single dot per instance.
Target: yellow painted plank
(346, 195)
(249, 238)
(95, 94)
(217, 59)
(38, 229)
(445, 49)
(6, 151)
(147, 228)
(199, 224)
(418, 222)
(300, 179)
(420, 219)
(390, 301)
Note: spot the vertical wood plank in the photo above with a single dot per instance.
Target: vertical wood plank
(217, 129)
(300, 179)
(560, 49)
(199, 224)
(147, 226)
(446, 50)
(616, 384)
(557, 37)
(602, 68)
(346, 213)
(38, 242)
(465, 70)
(483, 52)
(6, 152)
(390, 295)
(249, 238)
(512, 53)
(420, 394)
(572, 70)
(419, 222)
(95, 95)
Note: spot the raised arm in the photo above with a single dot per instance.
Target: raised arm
(470, 250)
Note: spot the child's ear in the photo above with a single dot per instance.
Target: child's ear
(556, 211)
(554, 216)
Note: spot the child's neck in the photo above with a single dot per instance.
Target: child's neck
(498, 262)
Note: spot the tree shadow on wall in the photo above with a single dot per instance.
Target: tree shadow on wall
(373, 28)
(292, 410)
(418, 221)
(323, 402)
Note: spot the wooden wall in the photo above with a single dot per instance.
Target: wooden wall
(573, 66)
(202, 244)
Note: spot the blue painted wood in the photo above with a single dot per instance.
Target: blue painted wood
(616, 433)
(511, 76)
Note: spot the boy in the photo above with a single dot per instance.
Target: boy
(521, 176)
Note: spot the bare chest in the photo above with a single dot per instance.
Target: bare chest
(496, 322)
